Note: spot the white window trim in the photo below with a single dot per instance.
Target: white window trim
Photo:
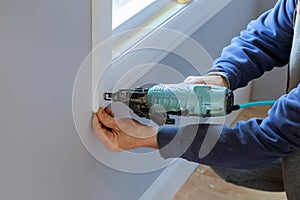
(101, 31)
(170, 180)
(184, 22)
(140, 17)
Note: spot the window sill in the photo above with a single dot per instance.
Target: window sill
(184, 18)
(127, 38)
(180, 18)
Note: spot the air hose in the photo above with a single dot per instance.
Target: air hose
(255, 103)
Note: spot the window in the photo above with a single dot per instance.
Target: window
(111, 60)
(130, 14)
(113, 19)
(143, 18)
(123, 10)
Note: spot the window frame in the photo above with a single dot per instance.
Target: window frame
(203, 10)
(141, 16)
(173, 16)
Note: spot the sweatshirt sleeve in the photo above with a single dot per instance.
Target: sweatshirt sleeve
(249, 144)
(265, 43)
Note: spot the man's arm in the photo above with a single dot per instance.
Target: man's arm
(265, 43)
(248, 144)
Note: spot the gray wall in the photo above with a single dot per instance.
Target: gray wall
(264, 5)
(272, 84)
(43, 43)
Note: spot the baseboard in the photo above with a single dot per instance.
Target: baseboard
(170, 181)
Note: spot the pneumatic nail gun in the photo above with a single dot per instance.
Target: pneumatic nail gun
(160, 101)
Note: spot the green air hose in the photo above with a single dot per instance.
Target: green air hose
(256, 103)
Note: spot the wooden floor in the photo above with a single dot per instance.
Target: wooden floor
(205, 184)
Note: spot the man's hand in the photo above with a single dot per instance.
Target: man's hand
(212, 80)
(122, 134)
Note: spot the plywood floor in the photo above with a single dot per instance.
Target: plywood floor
(205, 184)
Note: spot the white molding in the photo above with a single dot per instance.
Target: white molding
(186, 21)
(169, 181)
(101, 31)
(195, 15)
(183, 24)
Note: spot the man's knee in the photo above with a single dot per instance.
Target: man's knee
(291, 175)
(254, 179)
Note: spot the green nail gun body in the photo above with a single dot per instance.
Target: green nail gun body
(160, 101)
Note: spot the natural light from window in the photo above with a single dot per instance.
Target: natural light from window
(125, 9)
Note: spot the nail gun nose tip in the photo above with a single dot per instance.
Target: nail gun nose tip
(107, 96)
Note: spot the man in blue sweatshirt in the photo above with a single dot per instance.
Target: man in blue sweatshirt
(255, 144)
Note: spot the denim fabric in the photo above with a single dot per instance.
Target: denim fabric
(282, 175)
(291, 175)
(268, 178)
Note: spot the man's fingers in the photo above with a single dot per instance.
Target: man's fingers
(104, 135)
(194, 80)
(99, 131)
(106, 119)
(108, 111)
(211, 79)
